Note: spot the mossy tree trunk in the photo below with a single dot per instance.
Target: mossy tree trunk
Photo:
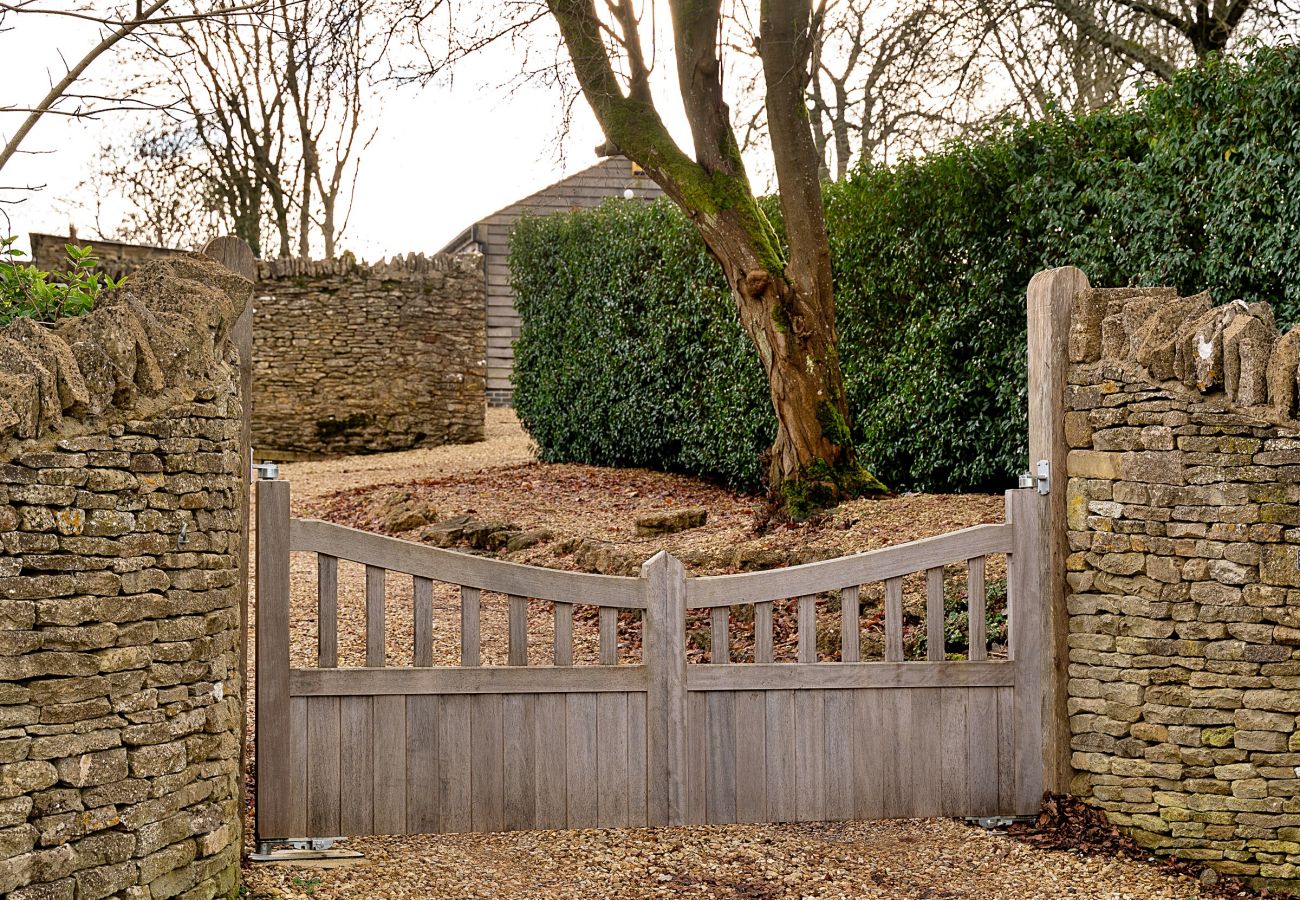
(786, 303)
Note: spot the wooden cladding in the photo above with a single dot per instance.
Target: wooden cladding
(423, 748)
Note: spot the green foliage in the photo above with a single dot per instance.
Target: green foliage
(632, 354)
(25, 291)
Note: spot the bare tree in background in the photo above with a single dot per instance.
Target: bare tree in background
(886, 81)
(1080, 55)
(272, 127)
(61, 99)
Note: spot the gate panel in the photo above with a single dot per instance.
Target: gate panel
(423, 749)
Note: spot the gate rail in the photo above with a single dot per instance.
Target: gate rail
(691, 730)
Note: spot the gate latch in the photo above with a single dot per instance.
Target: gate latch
(1043, 477)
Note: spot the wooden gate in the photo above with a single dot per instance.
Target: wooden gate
(424, 748)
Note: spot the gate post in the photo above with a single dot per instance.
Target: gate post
(272, 723)
(1030, 649)
(1050, 303)
(664, 653)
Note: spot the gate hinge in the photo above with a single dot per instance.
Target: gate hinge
(266, 471)
(1043, 477)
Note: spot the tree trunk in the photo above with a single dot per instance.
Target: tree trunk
(786, 304)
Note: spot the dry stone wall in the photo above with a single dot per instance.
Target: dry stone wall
(120, 568)
(1184, 576)
(353, 358)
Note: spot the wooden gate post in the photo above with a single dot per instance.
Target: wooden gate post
(1030, 649)
(272, 728)
(664, 655)
(1050, 302)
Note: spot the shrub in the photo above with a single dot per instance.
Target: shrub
(631, 352)
(25, 291)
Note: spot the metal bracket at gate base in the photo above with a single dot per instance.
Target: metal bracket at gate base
(996, 823)
(302, 850)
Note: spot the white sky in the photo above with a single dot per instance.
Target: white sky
(444, 156)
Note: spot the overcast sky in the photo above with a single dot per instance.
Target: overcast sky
(444, 156)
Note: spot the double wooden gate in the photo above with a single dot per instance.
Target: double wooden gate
(659, 741)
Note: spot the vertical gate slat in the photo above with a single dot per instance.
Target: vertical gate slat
(751, 756)
(611, 759)
(520, 751)
(976, 615)
(470, 599)
(608, 623)
(637, 796)
(781, 787)
(934, 614)
(1007, 737)
(810, 754)
(697, 754)
(763, 632)
(955, 791)
(982, 750)
(375, 654)
(322, 766)
(720, 635)
(422, 764)
(422, 600)
(327, 611)
(550, 773)
(563, 655)
(839, 754)
(487, 766)
(356, 763)
(720, 777)
(580, 739)
(296, 823)
(923, 727)
(390, 764)
(808, 628)
(454, 763)
(896, 758)
(850, 625)
(894, 620)
(517, 615)
(870, 753)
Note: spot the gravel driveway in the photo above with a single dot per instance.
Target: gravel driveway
(932, 858)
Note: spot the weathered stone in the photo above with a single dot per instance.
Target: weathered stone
(670, 521)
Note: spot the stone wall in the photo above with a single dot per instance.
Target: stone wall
(351, 358)
(1184, 576)
(120, 594)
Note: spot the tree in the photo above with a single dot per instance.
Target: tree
(116, 30)
(784, 296)
(265, 129)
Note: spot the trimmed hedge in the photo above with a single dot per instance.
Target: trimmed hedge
(631, 353)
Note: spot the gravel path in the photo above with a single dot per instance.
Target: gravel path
(935, 858)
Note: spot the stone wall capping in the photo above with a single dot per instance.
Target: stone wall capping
(144, 347)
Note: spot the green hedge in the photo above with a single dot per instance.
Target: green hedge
(631, 353)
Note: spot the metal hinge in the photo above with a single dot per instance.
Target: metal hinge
(266, 471)
(1043, 478)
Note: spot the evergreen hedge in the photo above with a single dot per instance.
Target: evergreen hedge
(631, 353)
